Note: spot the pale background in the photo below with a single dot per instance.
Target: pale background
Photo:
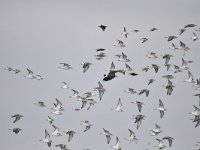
(40, 34)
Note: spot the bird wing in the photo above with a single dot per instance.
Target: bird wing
(161, 103)
(108, 137)
(112, 66)
(46, 134)
(29, 71)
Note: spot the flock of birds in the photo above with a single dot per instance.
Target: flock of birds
(87, 99)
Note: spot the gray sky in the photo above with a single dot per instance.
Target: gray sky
(41, 34)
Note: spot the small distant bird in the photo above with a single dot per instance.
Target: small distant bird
(168, 76)
(125, 33)
(100, 49)
(117, 146)
(144, 39)
(107, 134)
(189, 26)
(131, 91)
(30, 74)
(155, 67)
(183, 47)
(87, 125)
(151, 81)
(50, 120)
(156, 131)
(190, 78)
(17, 117)
(62, 146)
(65, 86)
(138, 119)
(146, 91)
(170, 140)
(123, 58)
(160, 144)
(139, 105)
(173, 47)
(146, 68)
(71, 134)
(103, 27)
(100, 89)
(86, 66)
(136, 31)
(120, 44)
(170, 38)
(194, 38)
(152, 55)
(119, 106)
(47, 139)
(65, 66)
(167, 58)
(40, 104)
(132, 136)
(15, 130)
(153, 29)
(56, 131)
(100, 56)
(128, 68)
(161, 108)
(181, 31)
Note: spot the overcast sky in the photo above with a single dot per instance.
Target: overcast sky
(40, 34)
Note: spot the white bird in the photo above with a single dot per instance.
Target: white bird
(117, 146)
(170, 140)
(56, 131)
(50, 120)
(87, 125)
(160, 144)
(132, 136)
(57, 105)
(119, 106)
(65, 86)
(155, 131)
(30, 74)
(125, 33)
(190, 78)
(47, 139)
(161, 108)
(194, 38)
(107, 134)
